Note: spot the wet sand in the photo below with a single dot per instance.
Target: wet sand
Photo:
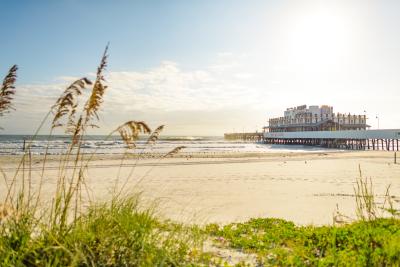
(198, 188)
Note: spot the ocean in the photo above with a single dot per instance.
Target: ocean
(57, 144)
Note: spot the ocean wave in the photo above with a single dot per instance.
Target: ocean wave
(182, 138)
(13, 145)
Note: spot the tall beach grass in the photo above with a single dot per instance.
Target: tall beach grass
(72, 230)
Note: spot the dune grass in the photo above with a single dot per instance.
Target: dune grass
(118, 233)
(72, 230)
(7, 91)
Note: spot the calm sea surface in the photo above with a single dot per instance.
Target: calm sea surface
(14, 144)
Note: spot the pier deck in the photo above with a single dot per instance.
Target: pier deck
(387, 139)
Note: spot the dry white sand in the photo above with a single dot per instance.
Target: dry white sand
(301, 187)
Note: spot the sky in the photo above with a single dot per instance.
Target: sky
(204, 67)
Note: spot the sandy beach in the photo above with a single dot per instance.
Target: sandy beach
(203, 188)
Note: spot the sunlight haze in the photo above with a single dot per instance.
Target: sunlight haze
(207, 67)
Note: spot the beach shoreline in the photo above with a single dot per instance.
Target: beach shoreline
(200, 188)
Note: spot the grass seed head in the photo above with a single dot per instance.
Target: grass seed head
(7, 90)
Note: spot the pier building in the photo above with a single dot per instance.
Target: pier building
(315, 118)
(320, 126)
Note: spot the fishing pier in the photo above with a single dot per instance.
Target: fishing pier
(387, 139)
(320, 126)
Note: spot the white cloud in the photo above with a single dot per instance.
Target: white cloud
(187, 100)
(235, 92)
(170, 88)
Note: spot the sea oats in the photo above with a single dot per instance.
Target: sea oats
(96, 98)
(129, 131)
(7, 90)
(67, 103)
(175, 151)
(154, 136)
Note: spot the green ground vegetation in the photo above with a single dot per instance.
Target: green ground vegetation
(278, 242)
(113, 234)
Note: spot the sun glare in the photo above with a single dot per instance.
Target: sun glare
(318, 38)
